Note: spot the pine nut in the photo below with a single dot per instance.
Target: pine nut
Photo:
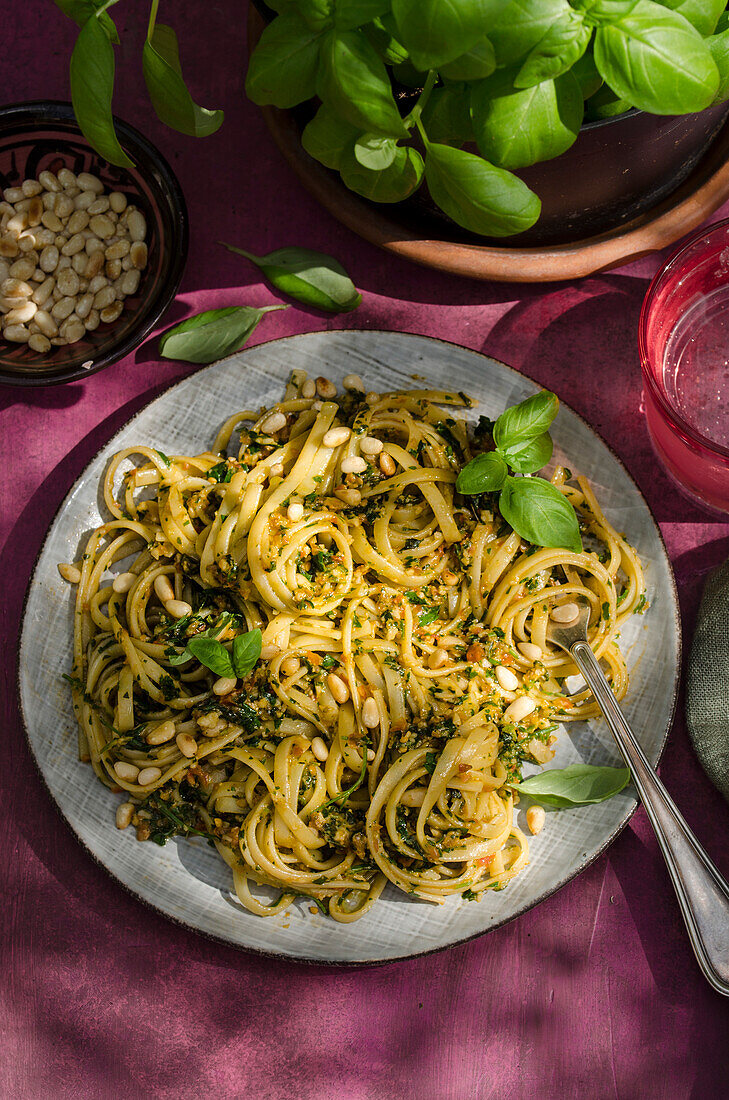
(45, 323)
(9, 247)
(130, 282)
(136, 225)
(73, 245)
(88, 182)
(113, 269)
(295, 511)
(565, 613)
(104, 297)
(370, 713)
(336, 436)
(13, 194)
(124, 815)
(319, 749)
(308, 389)
(268, 652)
(67, 282)
(536, 816)
(437, 658)
(73, 329)
(22, 269)
(66, 177)
(353, 382)
(118, 250)
(387, 464)
(117, 202)
(48, 181)
(186, 744)
(40, 343)
(529, 650)
(372, 398)
(69, 573)
(63, 207)
(507, 679)
(48, 258)
(16, 334)
(274, 422)
(94, 265)
(18, 223)
(126, 771)
(353, 465)
(112, 312)
(224, 685)
(84, 306)
(97, 282)
(163, 588)
(21, 314)
(84, 200)
(348, 496)
(276, 470)
(16, 288)
(99, 206)
(148, 776)
(519, 709)
(123, 582)
(92, 321)
(370, 446)
(290, 666)
(30, 188)
(178, 609)
(338, 688)
(165, 731)
(326, 389)
(79, 263)
(414, 798)
(138, 254)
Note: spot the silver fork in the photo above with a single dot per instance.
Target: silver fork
(702, 892)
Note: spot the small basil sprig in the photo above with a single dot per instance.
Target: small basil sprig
(211, 335)
(577, 785)
(245, 654)
(533, 507)
(312, 278)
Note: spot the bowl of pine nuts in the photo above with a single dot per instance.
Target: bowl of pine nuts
(91, 255)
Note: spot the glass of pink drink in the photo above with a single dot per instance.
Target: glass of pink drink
(684, 353)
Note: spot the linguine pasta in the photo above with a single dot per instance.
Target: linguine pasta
(405, 673)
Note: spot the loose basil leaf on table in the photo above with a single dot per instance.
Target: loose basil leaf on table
(353, 79)
(92, 85)
(577, 785)
(484, 474)
(312, 278)
(212, 334)
(282, 69)
(81, 10)
(638, 55)
(212, 654)
(435, 33)
(399, 180)
(246, 651)
(478, 195)
(168, 92)
(327, 137)
(516, 127)
(540, 513)
(527, 420)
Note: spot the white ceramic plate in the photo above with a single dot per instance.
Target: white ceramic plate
(186, 880)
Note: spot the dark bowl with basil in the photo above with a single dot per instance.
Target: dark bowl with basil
(44, 135)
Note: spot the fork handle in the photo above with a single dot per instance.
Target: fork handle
(702, 892)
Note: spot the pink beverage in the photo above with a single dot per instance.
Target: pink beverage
(684, 350)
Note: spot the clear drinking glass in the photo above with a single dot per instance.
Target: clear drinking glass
(684, 352)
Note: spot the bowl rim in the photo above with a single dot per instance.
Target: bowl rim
(133, 139)
(657, 392)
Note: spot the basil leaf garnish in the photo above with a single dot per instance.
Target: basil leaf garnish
(246, 651)
(211, 654)
(577, 785)
(526, 420)
(529, 455)
(484, 474)
(212, 334)
(540, 513)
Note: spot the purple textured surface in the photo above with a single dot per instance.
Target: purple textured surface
(595, 993)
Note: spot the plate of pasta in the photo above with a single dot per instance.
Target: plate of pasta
(295, 667)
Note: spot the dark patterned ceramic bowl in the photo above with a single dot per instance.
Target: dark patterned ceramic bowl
(44, 135)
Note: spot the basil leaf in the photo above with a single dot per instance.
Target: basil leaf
(447, 115)
(310, 277)
(168, 92)
(353, 80)
(212, 334)
(81, 10)
(211, 632)
(526, 456)
(586, 74)
(375, 151)
(526, 420)
(92, 85)
(282, 69)
(477, 195)
(483, 474)
(522, 25)
(427, 617)
(655, 59)
(540, 513)
(577, 785)
(349, 14)
(391, 184)
(382, 34)
(211, 654)
(318, 14)
(327, 137)
(559, 49)
(605, 104)
(477, 63)
(435, 32)
(701, 14)
(719, 46)
(246, 651)
(516, 127)
(604, 11)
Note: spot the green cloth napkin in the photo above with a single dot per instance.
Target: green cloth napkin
(707, 690)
